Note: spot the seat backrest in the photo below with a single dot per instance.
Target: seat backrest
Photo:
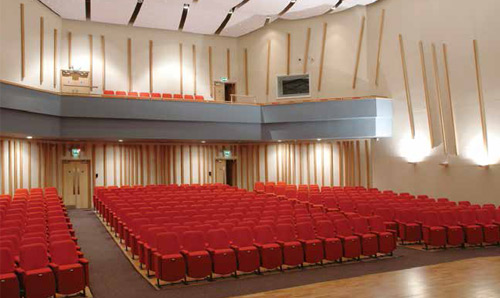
(6, 261)
(448, 218)
(63, 252)
(264, 234)
(305, 231)
(285, 232)
(377, 223)
(483, 216)
(193, 241)
(188, 97)
(431, 219)
(178, 96)
(168, 243)
(343, 228)
(325, 228)
(109, 92)
(33, 256)
(217, 239)
(242, 236)
(467, 217)
(360, 225)
(167, 95)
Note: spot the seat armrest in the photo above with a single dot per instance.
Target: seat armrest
(321, 238)
(19, 271)
(281, 243)
(184, 252)
(235, 247)
(54, 267)
(358, 234)
(83, 261)
(210, 250)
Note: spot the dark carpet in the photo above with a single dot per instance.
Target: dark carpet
(111, 274)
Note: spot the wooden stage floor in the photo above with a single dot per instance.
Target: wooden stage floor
(472, 278)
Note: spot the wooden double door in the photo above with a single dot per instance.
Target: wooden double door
(76, 183)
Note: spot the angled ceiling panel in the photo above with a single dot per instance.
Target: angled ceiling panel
(308, 8)
(206, 16)
(162, 14)
(112, 11)
(68, 9)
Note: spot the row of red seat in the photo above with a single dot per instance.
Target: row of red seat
(194, 231)
(437, 222)
(39, 256)
(154, 96)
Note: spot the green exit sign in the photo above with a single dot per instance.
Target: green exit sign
(223, 79)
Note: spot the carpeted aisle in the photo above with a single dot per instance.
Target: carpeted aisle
(111, 275)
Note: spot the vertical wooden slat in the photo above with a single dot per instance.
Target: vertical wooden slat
(482, 108)
(9, 166)
(245, 60)
(150, 66)
(250, 166)
(39, 146)
(308, 163)
(258, 162)
(122, 165)
(247, 166)
(300, 164)
(368, 164)
(23, 43)
(42, 39)
(331, 166)
(182, 164)
(315, 165)
(194, 68)
(69, 50)
(277, 163)
(91, 58)
(21, 166)
(426, 92)
(268, 66)
(2, 169)
(306, 52)
(148, 166)
(198, 148)
(450, 102)
(105, 165)
(322, 57)
(93, 161)
(407, 86)
(15, 153)
(341, 163)
(437, 83)
(169, 160)
(358, 53)
(288, 53)
(54, 61)
(190, 164)
(181, 86)
(379, 49)
(29, 163)
(114, 166)
(228, 63)
(141, 159)
(358, 161)
(266, 168)
(103, 54)
(323, 164)
(129, 64)
(294, 164)
(210, 72)
(174, 163)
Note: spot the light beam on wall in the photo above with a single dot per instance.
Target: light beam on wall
(414, 150)
(476, 151)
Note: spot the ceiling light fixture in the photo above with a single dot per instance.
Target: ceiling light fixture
(121, 141)
(319, 140)
(29, 137)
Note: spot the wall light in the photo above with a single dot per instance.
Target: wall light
(279, 141)
(29, 137)
(319, 140)
(476, 151)
(414, 150)
(121, 141)
(203, 142)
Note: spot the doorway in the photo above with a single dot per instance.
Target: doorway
(225, 171)
(76, 183)
(229, 88)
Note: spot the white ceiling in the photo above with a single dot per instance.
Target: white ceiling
(204, 16)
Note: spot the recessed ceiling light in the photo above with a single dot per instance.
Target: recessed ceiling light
(29, 137)
(121, 141)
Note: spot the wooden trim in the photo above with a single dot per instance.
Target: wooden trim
(94, 161)
(437, 84)
(288, 53)
(331, 165)
(91, 58)
(210, 72)
(266, 170)
(368, 164)
(198, 148)
(426, 93)
(247, 164)
(54, 70)
(341, 163)
(15, 152)
(2, 170)
(277, 163)
(450, 102)
(141, 163)
(315, 166)
(268, 65)
(114, 165)
(174, 163)
(358, 53)
(150, 66)
(9, 166)
(250, 166)
(308, 163)
(323, 164)
(42, 40)
(258, 163)
(306, 52)
(379, 49)
(246, 70)
(190, 164)
(407, 86)
(103, 54)
(322, 58)
(480, 96)
(182, 164)
(228, 63)
(104, 166)
(122, 165)
(358, 157)
(300, 164)
(23, 45)
(29, 164)
(21, 166)
(69, 49)
(181, 82)
(129, 64)
(39, 146)
(194, 69)
(148, 166)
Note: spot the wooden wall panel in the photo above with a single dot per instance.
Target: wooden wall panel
(42, 40)
(407, 86)
(181, 76)
(426, 92)
(129, 64)
(288, 53)
(150, 66)
(480, 96)
(103, 57)
(268, 66)
(379, 48)
(322, 57)
(245, 66)
(437, 85)
(23, 44)
(358, 53)
(306, 52)
(450, 102)
(54, 60)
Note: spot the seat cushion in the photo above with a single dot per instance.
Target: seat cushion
(70, 279)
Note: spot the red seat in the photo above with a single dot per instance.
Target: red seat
(188, 97)
(36, 276)
(166, 96)
(388, 215)
(121, 93)
(313, 247)
(409, 230)
(259, 187)
(473, 232)
(72, 273)
(109, 92)
(144, 95)
(432, 230)
(223, 257)
(369, 241)
(332, 245)
(350, 242)
(247, 254)
(491, 231)
(270, 251)
(177, 96)
(9, 285)
(199, 97)
(386, 237)
(169, 265)
(199, 264)
(156, 96)
(454, 232)
(133, 94)
(293, 254)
